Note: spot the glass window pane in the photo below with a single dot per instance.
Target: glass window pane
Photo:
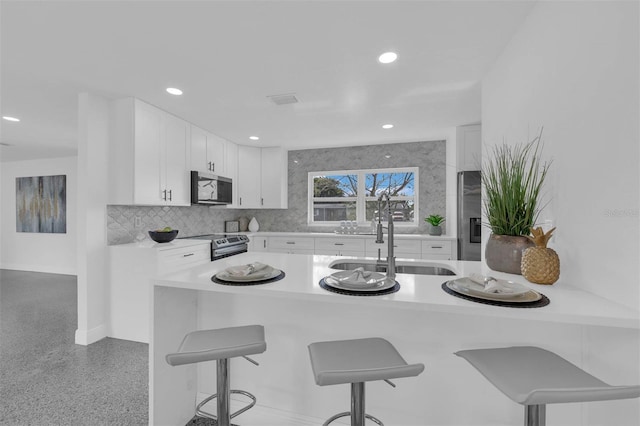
(335, 186)
(402, 211)
(401, 183)
(333, 211)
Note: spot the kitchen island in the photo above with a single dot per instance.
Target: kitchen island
(425, 324)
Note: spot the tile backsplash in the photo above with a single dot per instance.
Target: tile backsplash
(197, 220)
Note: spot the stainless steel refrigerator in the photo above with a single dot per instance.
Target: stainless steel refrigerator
(469, 209)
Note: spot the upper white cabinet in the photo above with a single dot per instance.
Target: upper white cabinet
(262, 177)
(469, 147)
(231, 170)
(207, 152)
(149, 154)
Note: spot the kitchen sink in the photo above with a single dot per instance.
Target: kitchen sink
(415, 269)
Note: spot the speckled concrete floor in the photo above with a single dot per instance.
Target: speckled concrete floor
(46, 379)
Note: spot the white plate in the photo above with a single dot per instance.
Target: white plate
(378, 283)
(474, 288)
(225, 276)
(528, 296)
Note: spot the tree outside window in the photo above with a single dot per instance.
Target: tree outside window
(353, 195)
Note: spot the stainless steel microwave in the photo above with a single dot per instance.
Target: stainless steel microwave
(210, 189)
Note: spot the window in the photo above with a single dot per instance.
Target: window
(353, 195)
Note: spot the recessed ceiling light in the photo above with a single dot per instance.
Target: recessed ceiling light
(174, 91)
(254, 138)
(387, 156)
(387, 126)
(387, 57)
(6, 117)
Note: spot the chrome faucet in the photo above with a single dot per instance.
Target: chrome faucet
(391, 259)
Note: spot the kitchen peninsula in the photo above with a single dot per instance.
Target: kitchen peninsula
(425, 324)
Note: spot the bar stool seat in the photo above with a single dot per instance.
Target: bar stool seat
(219, 345)
(534, 377)
(358, 361)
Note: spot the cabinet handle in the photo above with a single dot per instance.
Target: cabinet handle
(436, 246)
(187, 255)
(262, 201)
(291, 242)
(209, 168)
(338, 244)
(264, 243)
(240, 203)
(169, 195)
(213, 167)
(164, 195)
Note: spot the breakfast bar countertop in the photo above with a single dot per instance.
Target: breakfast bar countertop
(569, 304)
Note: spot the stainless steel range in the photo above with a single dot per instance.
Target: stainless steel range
(225, 245)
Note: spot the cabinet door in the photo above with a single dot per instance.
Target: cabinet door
(176, 176)
(274, 178)
(148, 153)
(249, 165)
(469, 147)
(215, 154)
(198, 149)
(231, 170)
(258, 243)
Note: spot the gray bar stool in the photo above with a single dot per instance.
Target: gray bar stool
(220, 345)
(358, 361)
(535, 377)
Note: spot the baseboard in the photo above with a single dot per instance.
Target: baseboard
(87, 337)
(50, 269)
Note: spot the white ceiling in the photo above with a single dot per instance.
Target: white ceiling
(228, 56)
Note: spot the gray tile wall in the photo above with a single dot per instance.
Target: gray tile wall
(196, 220)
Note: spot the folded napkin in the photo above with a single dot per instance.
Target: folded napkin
(358, 276)
(255, 268)
(492, 285)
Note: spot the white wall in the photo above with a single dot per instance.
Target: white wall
(41, 252)
(573, 68)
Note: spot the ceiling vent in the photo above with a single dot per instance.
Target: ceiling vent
(289, 98)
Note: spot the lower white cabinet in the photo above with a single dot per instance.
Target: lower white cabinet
(357, 246)
(439, 250)
(133, 267)
(408, 249)
(336, 246)
(299, 245)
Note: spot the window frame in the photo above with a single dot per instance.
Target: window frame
(361, 199)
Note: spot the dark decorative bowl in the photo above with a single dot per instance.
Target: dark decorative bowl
(163, 237)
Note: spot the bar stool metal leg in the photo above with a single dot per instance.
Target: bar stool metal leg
(535, 415)
(357, 413)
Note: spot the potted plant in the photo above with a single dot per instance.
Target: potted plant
(512, 178)
(435, 220)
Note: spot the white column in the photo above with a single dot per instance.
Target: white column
(93, 140)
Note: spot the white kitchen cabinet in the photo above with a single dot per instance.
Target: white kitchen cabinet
(207, 152)
(434, 249)
(299, 245)
(249, 187)
(231, 170)
(469, 147)
(150, 151)
(407, 249)
(262, 177)
(133, 267)
(337, 246)
(258, 243)
(274, 178)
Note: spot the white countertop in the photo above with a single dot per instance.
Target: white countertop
(396, 235)
(423, 292)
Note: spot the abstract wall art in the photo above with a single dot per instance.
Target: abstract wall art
(41, 204)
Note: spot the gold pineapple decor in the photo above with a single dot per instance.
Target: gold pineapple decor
(540, 264)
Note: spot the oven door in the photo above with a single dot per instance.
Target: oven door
(219, 253)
